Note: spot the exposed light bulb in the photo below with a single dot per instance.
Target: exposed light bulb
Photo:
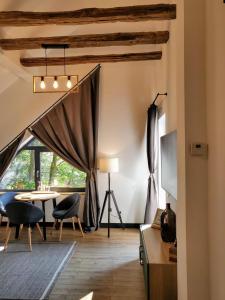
(55, 83)
(69, 83)
(42, 84)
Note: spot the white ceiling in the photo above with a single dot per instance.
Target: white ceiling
(53, 30)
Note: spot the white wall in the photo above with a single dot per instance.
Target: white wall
(215, 61)
(192, 201)
(127, 90)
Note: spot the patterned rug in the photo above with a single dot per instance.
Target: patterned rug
(31, 275)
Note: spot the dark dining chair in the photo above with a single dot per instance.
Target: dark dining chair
(67, 208)
(25, 214)
(5, 199)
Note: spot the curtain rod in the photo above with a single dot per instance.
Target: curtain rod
(53, 105)
(159, 94)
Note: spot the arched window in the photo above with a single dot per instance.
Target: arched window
(35, 164)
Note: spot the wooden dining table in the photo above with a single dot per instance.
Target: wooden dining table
(41, 196)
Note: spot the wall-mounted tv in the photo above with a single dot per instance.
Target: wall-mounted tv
(169, 163)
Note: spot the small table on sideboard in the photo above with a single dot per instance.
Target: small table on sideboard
(39, 196)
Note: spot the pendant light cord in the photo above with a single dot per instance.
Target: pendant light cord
(64, 60)
(46, 68)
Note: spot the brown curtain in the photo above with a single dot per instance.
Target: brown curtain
(70, 130)
(7, 155)
(152, 155)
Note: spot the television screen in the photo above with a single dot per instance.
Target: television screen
(169, 163)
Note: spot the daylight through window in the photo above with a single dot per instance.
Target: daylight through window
(34, 163)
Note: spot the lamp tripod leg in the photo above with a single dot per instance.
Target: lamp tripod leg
(117, 209)
(109, 210)
(103, 208)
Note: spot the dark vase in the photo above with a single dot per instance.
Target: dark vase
(168, 225)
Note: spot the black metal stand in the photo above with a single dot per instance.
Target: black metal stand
(108, 195)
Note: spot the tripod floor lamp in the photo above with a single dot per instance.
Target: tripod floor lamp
(109, 165)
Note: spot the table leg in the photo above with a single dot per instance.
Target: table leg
(54, 206)
(54, 202)
(17, 232)
(44, 221)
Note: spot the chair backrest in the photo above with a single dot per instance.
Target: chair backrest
(6, 198)
(71, 204)
(23, 213)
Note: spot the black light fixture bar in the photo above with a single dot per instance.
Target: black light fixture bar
(45, 82)
(55, 46)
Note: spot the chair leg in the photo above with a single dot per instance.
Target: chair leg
(81, 230)
(7, 238)
(29, 238)
(21, 228)
(7, 225)
(1, 219)
(39, 230)
(53, 227)
(60, 230)
(73, 223)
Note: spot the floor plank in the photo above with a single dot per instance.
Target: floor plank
(101, 267)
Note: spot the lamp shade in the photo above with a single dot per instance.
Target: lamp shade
(109, 165)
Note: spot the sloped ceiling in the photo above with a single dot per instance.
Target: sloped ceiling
(17, 102)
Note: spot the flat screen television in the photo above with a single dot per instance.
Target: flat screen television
(169, 163)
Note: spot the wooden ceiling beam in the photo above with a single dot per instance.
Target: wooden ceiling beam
(87, 59)
(94, 40)
(90, 15)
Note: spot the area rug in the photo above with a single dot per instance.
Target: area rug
(31, 275)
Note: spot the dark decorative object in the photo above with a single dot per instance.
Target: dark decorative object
(168, 225)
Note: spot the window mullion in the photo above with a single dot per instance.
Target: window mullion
(37, 175)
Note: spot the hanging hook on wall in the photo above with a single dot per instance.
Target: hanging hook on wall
(159, 94)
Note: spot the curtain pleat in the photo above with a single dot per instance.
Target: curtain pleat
(8, 154)
(152, 155)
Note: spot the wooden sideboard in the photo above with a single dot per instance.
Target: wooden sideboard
(160, 274)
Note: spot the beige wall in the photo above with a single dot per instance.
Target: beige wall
(196, 167)
(168, 104)
(19, 106)
(215, 61)
(126, 91)
(191, 206)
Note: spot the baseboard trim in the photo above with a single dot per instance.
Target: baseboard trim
(118, 225)
(102, 225)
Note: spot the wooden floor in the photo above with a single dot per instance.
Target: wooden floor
(101, 268)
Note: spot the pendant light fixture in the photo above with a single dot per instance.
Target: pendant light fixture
(69, 83)
(54, 83)
(42, 83)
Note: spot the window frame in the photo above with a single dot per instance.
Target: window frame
(37, 172)
(161, 192)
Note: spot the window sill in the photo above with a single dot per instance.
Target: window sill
(60, 191)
